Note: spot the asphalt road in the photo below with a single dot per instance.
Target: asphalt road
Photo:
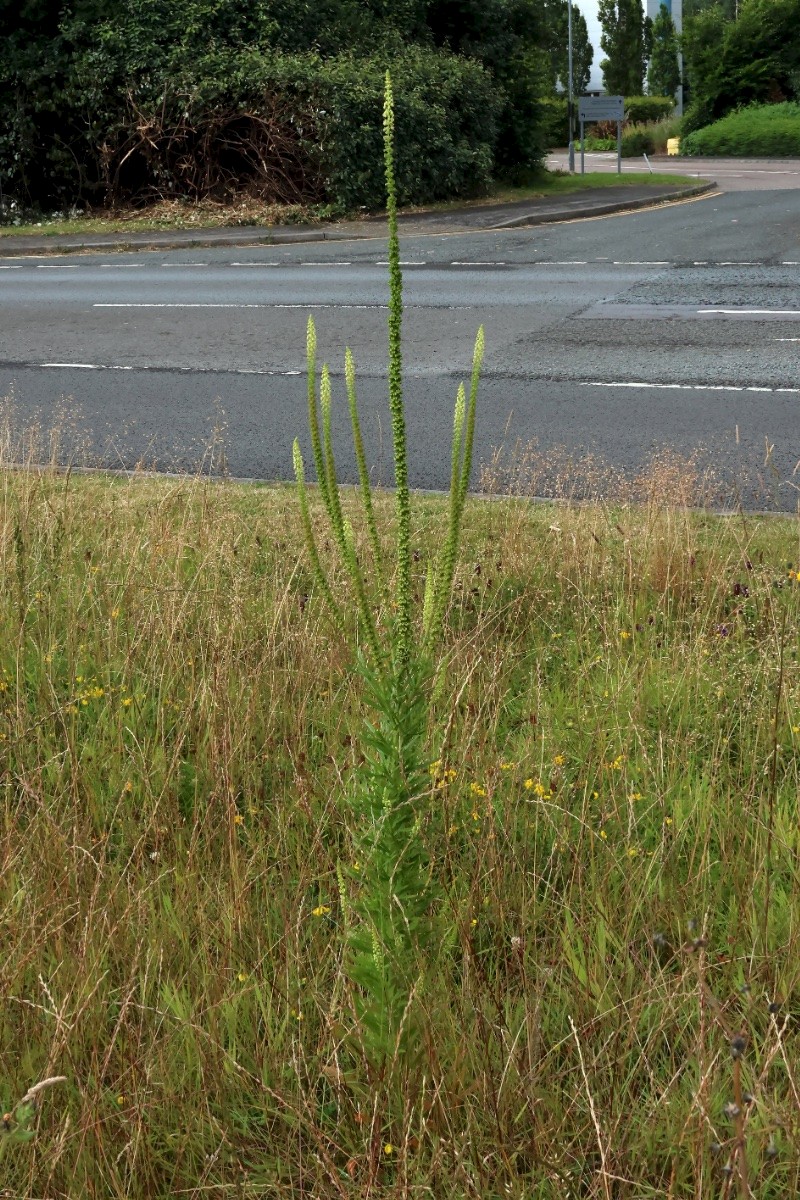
(614, 338)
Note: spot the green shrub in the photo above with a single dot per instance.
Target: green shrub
(143, 99)
(639, 109)
(760, 130)
(661, 131)
(287, 127)
(597, 145)
(754, 59)
(555, 122)
(446, 114)
(637, 141)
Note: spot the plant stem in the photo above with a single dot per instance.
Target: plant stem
(403, 593)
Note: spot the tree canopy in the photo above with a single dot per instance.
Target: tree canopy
(81, 80)
(729, 63)
(625, 42)
(663, 70)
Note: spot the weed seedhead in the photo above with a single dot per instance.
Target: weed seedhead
(771, 1151)
(738, 1045)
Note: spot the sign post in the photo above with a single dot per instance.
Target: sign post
(602, 108)
(570, 104)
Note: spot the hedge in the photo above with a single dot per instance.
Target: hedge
(760, 130)
(639, 109)
(287, 127)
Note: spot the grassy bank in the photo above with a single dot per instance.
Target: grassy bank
(175, 215)
(612, 821)
(758, 131)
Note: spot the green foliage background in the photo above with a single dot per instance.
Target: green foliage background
(116, 100)
(752, 59)
(759, 130)
(625, 41)
(663, 70)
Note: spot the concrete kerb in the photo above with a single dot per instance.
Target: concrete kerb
(602, 210)
(12, 246)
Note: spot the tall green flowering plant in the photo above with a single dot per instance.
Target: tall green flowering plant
(389, 903)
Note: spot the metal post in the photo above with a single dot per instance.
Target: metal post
(570, 113)
(619, 147)
(583, 142)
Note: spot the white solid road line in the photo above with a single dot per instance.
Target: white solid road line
(753, 312)
(687, 387)
(188, 305)
(155, 367)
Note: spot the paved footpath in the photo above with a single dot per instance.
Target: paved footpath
(591, 202)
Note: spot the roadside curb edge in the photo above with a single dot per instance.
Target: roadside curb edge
(251, 237)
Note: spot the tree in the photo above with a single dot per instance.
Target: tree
(663, 72)
(623, 40)
(730, 63)
(728, 8)
(509, 38)
(557, 22)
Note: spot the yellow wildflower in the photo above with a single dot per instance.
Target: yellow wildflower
(388, 1149)
(559, 760)
(477, 790)
(604, 835)
(321, 910)
(238, 819)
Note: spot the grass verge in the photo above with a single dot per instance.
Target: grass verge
(612, 827)
(175, 215)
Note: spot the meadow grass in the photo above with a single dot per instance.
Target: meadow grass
(611, 823)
